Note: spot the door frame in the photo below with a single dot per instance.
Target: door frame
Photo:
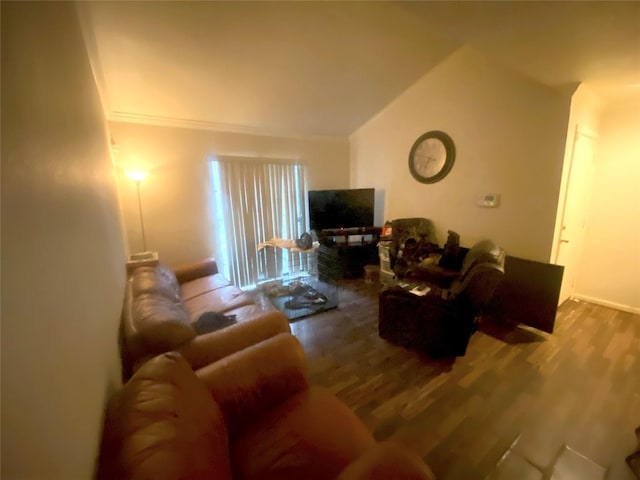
(560, 221)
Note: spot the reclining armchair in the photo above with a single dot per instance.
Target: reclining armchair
(441, 322)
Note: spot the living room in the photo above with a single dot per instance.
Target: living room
(70, 218)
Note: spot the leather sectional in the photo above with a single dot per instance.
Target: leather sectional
(235, 403)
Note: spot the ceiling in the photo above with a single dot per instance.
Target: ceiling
(323, 68)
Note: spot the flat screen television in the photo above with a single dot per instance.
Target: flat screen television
(348, 208)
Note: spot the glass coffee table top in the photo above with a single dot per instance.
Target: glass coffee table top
(302, 296)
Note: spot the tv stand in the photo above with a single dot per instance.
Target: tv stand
(344, 252)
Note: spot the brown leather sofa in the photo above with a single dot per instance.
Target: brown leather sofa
(250, 415)
(162, 308)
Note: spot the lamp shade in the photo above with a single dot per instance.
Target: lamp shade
(136, 175)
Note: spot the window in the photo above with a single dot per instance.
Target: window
(255, 200)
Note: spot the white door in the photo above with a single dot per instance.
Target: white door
(575, 212)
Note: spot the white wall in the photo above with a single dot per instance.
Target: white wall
(509, 134)
(610, 266)
(176, 195)
(62, 249)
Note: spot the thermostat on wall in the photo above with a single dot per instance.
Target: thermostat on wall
(488, 200)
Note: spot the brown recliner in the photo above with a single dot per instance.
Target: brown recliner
(251, 415)
(441, 322)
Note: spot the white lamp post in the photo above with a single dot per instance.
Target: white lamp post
(138, 176)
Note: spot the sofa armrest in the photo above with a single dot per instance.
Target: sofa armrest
(164, 424)
(190, 271)
(251, 381)
(211, 347)
(387, 460)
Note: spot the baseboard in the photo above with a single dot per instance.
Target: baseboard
(606, 303)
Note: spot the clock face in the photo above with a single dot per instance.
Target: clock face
(431, 157)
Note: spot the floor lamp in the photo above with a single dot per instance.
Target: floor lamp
(138, 176)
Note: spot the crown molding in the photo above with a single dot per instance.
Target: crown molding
(156, 120)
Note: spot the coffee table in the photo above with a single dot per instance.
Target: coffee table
(301, 291)
(302, 295)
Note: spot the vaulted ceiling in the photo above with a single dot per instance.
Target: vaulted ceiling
(324, 68)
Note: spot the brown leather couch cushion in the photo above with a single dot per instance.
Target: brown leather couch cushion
(251, 312)
(219, 300)
(197, 269)
(211, 347)
(202, 285)
(253, 380)
(158, 279)
(164, 425)
(388, 460)
(164, 323)
(312, 436)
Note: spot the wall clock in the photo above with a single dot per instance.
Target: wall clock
(431, 157)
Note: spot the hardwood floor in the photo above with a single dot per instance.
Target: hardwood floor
(523, 388)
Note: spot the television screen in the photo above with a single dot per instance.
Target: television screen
(333, 209)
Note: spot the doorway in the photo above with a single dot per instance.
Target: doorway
(575, 209)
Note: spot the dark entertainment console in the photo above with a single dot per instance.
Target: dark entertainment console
(343, 253)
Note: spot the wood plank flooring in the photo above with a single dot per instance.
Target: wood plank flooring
(522, 388)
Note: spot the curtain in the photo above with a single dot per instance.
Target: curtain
(256, 200)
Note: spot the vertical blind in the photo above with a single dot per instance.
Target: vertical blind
(256, 200)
